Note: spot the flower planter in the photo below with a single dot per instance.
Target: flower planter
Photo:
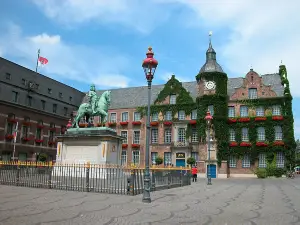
(39, 140)
(110, 124)
(244, 120)
(154, 123)
(83, 125)
(136, 122)
(278, 143)
(9, 137)
(51, 143)
(277, 117)
(25, 139)
(260, 119)
(167, 123)
(233, 144)
(52, 128)
(26, 124)
(232, 120)
(124, 145)
(10, 120)
(193, 122)
(135, 145)
(100, 125)
(123, 123)
(245, 144)
(39, 126)
(261, 144)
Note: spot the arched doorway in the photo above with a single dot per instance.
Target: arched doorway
(213, 170)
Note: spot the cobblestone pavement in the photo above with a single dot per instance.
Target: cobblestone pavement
(226, 202)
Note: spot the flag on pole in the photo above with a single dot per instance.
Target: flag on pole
(16, 132)
(42, 61)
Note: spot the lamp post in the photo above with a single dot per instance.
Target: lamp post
(208, 119)
(149, 66)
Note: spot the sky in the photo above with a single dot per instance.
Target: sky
(104, 42)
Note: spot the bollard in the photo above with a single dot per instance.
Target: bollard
(87, 177)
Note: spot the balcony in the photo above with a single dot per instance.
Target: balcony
(178, 144)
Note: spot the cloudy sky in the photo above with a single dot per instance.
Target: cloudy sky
(104, 42)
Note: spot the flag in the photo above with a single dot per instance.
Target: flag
(42, 61)
(16, 133)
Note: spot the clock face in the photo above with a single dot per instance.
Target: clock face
(210, 85)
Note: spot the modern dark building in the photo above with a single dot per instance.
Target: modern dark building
(38, 105)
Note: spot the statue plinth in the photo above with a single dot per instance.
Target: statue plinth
(94, 145)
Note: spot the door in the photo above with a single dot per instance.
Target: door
(180, 162)
(213, 170)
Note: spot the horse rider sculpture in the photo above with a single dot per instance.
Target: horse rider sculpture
(93, 98)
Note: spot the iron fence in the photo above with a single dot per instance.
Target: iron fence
(113, 179)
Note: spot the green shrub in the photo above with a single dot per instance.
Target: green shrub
(159, 160)
(261, 173)
(191, 161)
(278, 172)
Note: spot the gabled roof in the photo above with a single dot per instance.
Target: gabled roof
(133, 97)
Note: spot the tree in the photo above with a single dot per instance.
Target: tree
(191, 161)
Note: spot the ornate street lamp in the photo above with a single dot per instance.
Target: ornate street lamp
(149, 66)
(208, 119)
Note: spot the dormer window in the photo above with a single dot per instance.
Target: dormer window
(172, 99)
(60, 94)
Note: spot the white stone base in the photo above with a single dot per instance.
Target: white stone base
(243, 176)
(59, 171)
(222, 176)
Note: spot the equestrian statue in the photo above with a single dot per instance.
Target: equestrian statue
(97, 106)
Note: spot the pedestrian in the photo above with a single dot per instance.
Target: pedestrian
(194, 173)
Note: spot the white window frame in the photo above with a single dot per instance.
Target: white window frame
(154, 155)
(231, 111)
(245, 134)
(231, 134)
(276, 110)
(167, 158)
(121, 134)
(123, 118)
(246, 163)
(232, 161)
(181, 115)
(278, 133)
(168, 135)
(261, 134)
(136, 157)
(194, 114)
(124, 158)
(244, 111)
(194, 135)
(280, 160)
(262, 162)
(260, 111)
(136, 134)
(210, 108)
(154, 135)
(111, 119)
(252, 93)
(168, 115)
(195, 155)
(181, 137)
(173, 99)
(136, 116)
(154, 117)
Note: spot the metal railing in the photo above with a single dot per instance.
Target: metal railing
(112, 179)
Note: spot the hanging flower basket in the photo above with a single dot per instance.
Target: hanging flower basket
(52, 128)
(154, 123)
(261, 118)
(278, 143)
(135, 145)
(11, 120)
(110, 124)
(39, 140)
(233, 144)
(277, 117)
(51, 143)
(124, 123)
(231, 120)
(124, 145)
(193, 122)
(39, 126)
(245, 144)
(26, 124)
(9, 137)
(261, 144)
(244, 120)
(136, 122)
(167, 123)
(25, 139)
(83, 125)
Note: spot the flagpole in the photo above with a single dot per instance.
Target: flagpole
(37, 60)
(15, 138)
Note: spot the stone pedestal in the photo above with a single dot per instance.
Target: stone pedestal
(97, 146)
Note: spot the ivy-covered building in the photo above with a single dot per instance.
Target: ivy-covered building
(252, 120)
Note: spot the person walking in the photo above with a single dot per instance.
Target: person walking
(194, 173)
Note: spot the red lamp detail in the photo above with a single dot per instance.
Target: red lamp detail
(208, 117)
(149, 65)
(69, 125)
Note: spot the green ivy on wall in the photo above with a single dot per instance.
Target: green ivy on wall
(184, 101)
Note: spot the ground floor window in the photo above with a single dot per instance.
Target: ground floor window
(22, 156)
(167, 158)
(262, 160)
(246, 161)
(232, 161)
(195, 156)
(280, 160)
(6, 156)
(124, 158)
(153, 157)
(136, 157)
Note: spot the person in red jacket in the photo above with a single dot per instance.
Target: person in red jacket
(194, 173)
